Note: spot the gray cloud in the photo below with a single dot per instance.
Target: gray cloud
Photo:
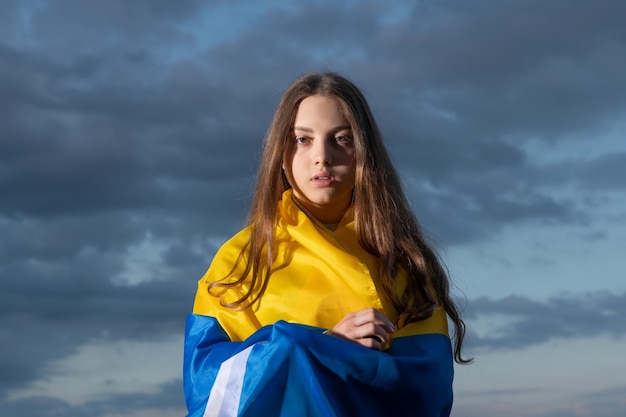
(167, 400)
(122, 121)
(528, 322)
(606, 403)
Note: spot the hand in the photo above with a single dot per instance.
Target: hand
(368, 327)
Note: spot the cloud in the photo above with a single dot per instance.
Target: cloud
(609, 402)
(166, 402)
(118, 126)
(604, 403)
(131, 132)
(517, 322)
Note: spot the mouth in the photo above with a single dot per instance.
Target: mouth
(323, 179)
(322, 176)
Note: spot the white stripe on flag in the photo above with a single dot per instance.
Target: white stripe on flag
(226, 392)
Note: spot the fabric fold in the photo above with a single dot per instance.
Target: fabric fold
(295, 370)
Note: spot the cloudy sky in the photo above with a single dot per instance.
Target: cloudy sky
(129, 139)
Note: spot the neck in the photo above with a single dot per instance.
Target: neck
(322, 214)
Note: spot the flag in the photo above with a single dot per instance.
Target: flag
(293, 370)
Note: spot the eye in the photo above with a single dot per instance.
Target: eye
(302, 140)
(342, 139)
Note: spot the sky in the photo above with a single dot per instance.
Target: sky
(129, 141)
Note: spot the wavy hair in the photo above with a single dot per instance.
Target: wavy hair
(384, 222)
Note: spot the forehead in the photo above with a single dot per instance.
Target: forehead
(320, 111)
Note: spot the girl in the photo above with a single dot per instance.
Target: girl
(330, 302)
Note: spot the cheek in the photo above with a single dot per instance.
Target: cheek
(353, 169)
(352, 159)
(293, 168)
(344, 157)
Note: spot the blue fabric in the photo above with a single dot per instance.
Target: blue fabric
(295, 370)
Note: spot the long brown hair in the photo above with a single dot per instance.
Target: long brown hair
(384, 222)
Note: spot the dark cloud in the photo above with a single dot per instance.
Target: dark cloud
(167, 400)
(521, 64)
(116, 122)
(49, 310)
(126, 123)
(526, 322)
(606, 403)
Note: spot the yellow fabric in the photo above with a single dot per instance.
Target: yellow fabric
(319, 276)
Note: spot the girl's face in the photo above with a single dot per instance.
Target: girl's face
(320, 166)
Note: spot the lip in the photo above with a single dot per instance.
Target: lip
(322, 179)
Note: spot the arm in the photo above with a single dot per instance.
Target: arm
(368, 327)
(292, 369)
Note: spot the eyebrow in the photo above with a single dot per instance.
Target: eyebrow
(334, 130)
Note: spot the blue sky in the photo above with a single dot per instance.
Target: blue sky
(128, 148)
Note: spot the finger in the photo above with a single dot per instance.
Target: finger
(382, 334)
(370, 342)
(375, 337)
(374, 316)
(371, 330)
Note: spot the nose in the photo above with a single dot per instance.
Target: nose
(323, 153)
